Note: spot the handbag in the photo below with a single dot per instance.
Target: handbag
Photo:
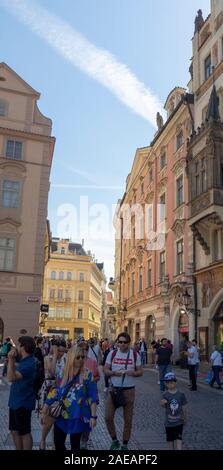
(117, 393)
(55, 410)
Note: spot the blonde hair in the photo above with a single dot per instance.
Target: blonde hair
(68, 373)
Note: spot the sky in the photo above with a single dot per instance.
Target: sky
(103, 69)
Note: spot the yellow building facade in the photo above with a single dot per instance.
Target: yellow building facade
(73, 290)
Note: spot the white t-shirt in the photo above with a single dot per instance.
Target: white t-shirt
(216, 358)
(95, 352)
(118, 363)
(194, 359)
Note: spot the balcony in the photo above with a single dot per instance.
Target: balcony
(58, 300)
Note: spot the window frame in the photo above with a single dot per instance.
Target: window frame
(161, 264)
(179, 257)
(12, 157)
(11, 192)
(179, 190)
(12, 250)
(207, 68)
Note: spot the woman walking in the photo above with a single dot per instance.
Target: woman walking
(79, 412)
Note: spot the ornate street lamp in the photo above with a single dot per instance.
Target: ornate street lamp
(186, 298)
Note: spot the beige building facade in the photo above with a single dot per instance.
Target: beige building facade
(26, 151)
(73, 289)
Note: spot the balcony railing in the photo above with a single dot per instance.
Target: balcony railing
(60, 300)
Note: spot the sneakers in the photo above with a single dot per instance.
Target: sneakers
(124, 447)
(115, 445)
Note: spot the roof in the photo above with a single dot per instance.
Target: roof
(75, 248)
(100, 266)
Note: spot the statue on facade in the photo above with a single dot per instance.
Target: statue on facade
(199, 21)
(159, 121)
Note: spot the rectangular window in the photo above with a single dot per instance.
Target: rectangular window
(150, 175)
(149, 273)
(179, 253)
(162, 160)
(69, 276)
(67, 313)
(81, 277)
(207, 67)
(52, 294)
(162, 207)
(7, 252)
(179, 139)
(179, 189)
(162, 266)
(203, 176)
(51, 312)
(67, 295)
(14, 149)
(59, 312)
(140, 279)
(10, 194)
(60, 294)
(80, 314)
(133, 284)
(78, 332)
(81, 295)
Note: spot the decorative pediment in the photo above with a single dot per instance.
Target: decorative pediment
(14, 167)
(9, 226)
(149, 197)
(162, 184)
(178, 227)
(179, 166)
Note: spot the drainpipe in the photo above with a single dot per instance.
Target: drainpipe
(195, 288)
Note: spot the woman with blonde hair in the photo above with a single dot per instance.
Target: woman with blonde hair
(78, 392)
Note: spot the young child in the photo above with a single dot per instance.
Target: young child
(174, 402)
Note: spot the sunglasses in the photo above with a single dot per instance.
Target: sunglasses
(80, 357)
(123, 342)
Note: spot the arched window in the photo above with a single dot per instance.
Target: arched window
(53, 274)
(2, 108)
(61, 275)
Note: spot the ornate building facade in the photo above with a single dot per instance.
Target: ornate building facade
(26, 152)
(73, 289)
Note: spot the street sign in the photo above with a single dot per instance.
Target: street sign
(34, 299)
(44, 308)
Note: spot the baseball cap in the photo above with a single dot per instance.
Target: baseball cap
(170, 377)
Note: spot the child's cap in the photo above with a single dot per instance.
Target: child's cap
(170, 377)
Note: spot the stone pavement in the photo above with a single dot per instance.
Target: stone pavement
(204, 430)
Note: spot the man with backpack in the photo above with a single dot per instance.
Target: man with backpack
(122, 366)
(22, 396)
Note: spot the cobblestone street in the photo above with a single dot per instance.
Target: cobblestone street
(203, 431)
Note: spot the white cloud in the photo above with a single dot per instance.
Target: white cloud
(98, 63)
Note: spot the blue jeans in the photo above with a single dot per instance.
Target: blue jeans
(216, 371)
(163, 369)
(142, 356)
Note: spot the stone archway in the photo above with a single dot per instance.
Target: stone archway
(149, 330)
(214, 318)
(1, 330)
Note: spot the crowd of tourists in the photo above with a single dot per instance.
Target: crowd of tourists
(58, 379)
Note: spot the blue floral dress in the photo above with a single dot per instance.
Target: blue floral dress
(77, 412)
